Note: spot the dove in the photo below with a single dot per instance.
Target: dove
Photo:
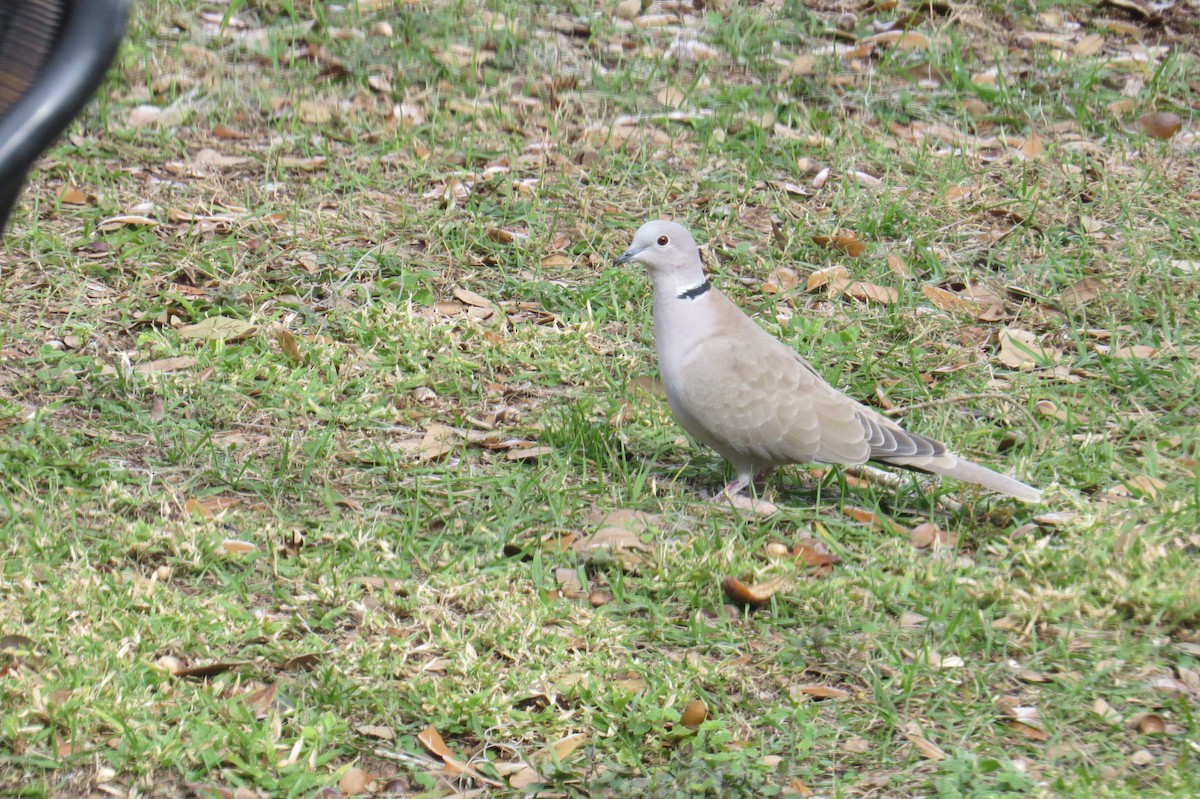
(744, 393)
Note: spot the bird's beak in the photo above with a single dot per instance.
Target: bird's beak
(628, 255)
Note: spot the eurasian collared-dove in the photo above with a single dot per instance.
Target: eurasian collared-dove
(736, 388)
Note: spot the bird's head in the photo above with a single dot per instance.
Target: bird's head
(669, 254)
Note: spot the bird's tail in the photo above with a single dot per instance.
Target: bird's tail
(961, 469)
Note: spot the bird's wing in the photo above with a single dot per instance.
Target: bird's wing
(753, 399)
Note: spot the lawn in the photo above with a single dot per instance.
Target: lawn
(335, 459)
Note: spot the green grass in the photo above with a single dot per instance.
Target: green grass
(267, 506)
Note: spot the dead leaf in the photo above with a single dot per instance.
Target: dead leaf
(163, 365)
(235, 546)
(209, 506)
(802, 64)
(927, 748)
(380, 731)
(1019, 349)
(670, 97)
(126, 220)
(309, 164)
(69, 194)
(899, 39)
(432, 740)
(899, 268)
(1148, 723)
(218, 328)
(870, 292)
(568, 581)
(820, 692)
(1145, 484)
(438, 441)
(471, 298)
(355, 781)
(1083, 291)
(527, 453)
(694, 714)
(811, 552)
(752, 595)
(1032, 147)
(845, 242)
(630, 685)
(1089, 45)
(781, 279)
(930, 535)
(1158, 125)
(208, 670)
(954, 302)
(829, 276)
(287, 343)
(1127, 353)
(260, 701)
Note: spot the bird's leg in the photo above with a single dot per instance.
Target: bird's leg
(735, 487)
(743, 480)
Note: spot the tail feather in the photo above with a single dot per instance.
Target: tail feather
(965, 470)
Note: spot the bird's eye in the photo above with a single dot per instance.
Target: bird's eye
(663, 241)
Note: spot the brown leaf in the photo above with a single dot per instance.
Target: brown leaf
(1028, 730)
(309, 164)
(1089, 45)
(69, 194)
(1160, 125)
(845, 242)
(930, 535)
(503, 236)
(954, 302)
(899, 39)
(218, 328)
(1083, 291)
(355, 781)
(125, 220)
(1145, 484)
(802, 64)
(287, 343)
(568, 581)
(862, 515)
(432, 740)
(260, 701)
(820, 691)
(752, 595)
(1148, 723)
(899, 268)
(471, 298)
(208, 670)
(781, 279)
(166, 365)
(811, 552)
(694, 714)
(629, 684)
(829, 276)
(1127, 353)
(1032, 147)
(209, 506)
(222, 132)
(236, 546)
(870, 292)
(438, 441)
(926, 747)
(1019, 349)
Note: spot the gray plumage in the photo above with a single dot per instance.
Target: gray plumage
(739, 390)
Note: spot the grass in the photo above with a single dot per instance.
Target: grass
(285, 507)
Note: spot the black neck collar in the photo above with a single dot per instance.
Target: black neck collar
(695, 291)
